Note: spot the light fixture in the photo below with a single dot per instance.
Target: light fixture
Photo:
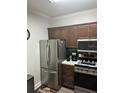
(54, 1)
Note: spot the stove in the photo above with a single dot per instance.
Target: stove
(87, 62)
(86, 76)
(86, 66)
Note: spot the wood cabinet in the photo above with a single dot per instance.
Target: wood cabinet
(74, 32)
(55, 33)
(93, 30)
(72, 37)
(82, 31)
(69, 34)
(68, 76)
(65, 36)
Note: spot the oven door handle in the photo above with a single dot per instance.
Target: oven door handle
(86, 72)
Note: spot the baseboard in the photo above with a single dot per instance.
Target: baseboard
(37, 85)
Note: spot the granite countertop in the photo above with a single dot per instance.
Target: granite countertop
(70, 62)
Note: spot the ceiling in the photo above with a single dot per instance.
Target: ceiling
(60, 8)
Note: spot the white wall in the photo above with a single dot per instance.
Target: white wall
(75, 18)
(37, 26)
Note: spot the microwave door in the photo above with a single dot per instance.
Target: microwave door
(83, 45)
(92, 45)
(88, 45)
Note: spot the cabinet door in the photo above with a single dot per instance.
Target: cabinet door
(72, 37)
(69, 34)
(51, 33)
(60, 32)
(68, 76)
(82, 31)
(66, 35)
(54, 33)
(93, 30)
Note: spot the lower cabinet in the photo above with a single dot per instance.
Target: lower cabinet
(68, 76)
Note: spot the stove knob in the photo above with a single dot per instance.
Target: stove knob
(93, 62)
(84, 61)
(88, 61)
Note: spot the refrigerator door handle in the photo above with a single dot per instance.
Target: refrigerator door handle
(53, 72)
(49, 56)
(58, 44)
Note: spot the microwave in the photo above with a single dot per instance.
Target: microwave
(87, 45)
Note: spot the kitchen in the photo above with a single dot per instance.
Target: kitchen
(76, 31)
(21, 56)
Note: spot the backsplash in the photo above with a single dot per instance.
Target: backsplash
(84, 54)
(69, 51)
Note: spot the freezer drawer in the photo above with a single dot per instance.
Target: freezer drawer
(50, 78)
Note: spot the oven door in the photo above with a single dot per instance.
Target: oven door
(86, 81)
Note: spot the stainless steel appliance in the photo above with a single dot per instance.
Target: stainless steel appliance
(52, 53)
(85, 76)
(87, 45)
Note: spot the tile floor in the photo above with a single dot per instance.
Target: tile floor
(65, 90)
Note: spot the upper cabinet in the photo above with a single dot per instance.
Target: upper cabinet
(54, 33)
(65, 35)
(73, 37)
(72, 33)
(82, 31)
(93, 30)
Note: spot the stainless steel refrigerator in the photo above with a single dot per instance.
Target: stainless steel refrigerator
(52, 53)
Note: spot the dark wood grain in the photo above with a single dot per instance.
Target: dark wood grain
(68, 76)
(93, 30)
(82, 31)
